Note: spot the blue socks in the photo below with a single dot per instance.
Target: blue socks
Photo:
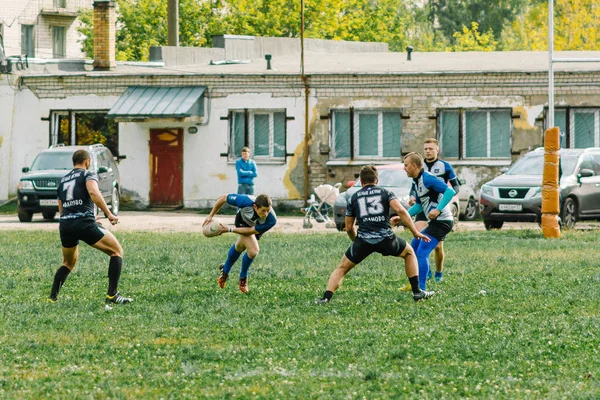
(438, 276)
(246, 263)
(232, 257)
(423, 250)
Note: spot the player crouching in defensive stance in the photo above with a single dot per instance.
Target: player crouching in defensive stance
(255, 216)
(77, 193)
(370, 207)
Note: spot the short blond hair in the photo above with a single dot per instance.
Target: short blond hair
(414, 158)
(432, 140)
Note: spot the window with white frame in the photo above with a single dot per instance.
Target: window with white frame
(79, 127)
(263, 131)
(579, 127)
(27, 41)
(59, 42)
(482, 133)
(368, 134)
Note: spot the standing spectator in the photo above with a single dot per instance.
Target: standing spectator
(246, 172)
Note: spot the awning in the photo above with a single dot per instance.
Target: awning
(160, 102)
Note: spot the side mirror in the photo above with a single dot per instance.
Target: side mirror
(25, 169)
(102, 170)
(585, 173)
(349, 184)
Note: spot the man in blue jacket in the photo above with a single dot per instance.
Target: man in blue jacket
(246, 172)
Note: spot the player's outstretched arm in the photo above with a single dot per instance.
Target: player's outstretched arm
(92, 188)
(216, 207)
(404, 216)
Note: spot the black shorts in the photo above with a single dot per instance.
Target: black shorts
(240, 223)
(74, 230)
(387, 247)
(420, 217)
(438, 229)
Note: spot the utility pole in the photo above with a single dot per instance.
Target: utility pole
(173, 23)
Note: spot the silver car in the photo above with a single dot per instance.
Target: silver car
(516, 196)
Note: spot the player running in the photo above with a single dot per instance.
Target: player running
(77, 193)
(433, 197)
(370, 207)
(255, 216)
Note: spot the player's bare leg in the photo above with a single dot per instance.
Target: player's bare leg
(70, 256)
(411, 267)
(111, 246)
(336, 278)
(439, 255)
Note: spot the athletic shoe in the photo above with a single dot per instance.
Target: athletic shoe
(429, 276)
(323, 300)
(244, 285)
(406, 288)
(51, 299)
(222, 279)
(117, 299)
(439, 279)
(423, 295)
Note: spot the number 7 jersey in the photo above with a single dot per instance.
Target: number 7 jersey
(73, 193)
(371, 208)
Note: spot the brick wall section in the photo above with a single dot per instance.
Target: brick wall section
(104, 35)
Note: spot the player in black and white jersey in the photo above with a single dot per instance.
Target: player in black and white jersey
(370, 208)
(443, 171)
(77, 193)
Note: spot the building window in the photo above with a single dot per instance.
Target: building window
(263, 131)
(27, 41)
(579, 127)
(83, 128)
(365, 134)
(58, 42)
(480, 133)
(60, 3)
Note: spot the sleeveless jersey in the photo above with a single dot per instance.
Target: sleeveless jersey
(72, 192)
(371, 208)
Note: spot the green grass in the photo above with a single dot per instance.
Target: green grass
(8, 207)
(534, 334)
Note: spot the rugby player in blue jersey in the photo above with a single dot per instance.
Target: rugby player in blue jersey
(77, 193)
(370, 208)
(255, 216)
(433, 197)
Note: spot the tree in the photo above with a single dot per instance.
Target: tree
(576, 27)
(473, 40)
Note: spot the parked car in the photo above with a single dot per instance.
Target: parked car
(468, 208)
(516, 196)
(392, 177)
(37, 188)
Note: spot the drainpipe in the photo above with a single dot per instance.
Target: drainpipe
(173, 23)
(306, 110)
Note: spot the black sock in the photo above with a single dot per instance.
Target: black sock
(328, 294)
(414, 283)
(59, 279)
(114, 273)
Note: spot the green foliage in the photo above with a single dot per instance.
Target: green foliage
(516, 318)
(473, 40)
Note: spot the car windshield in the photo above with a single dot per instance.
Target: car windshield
(391, 178)
(51, 160)
(534, 165)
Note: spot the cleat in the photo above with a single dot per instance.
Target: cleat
(406, 288)
(439, 279)
(222, 279)
(423, 295)
(323, 300)
(117, 299)
(244, 285)
(51, 300)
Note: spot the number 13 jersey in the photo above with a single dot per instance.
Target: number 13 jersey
(73, 193)
(371, 208)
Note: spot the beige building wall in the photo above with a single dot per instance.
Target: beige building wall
(43, 15)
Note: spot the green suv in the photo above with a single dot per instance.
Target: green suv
(37, 188)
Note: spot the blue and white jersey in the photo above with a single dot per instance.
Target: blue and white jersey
(246, 211)
(443, 170)
(430, 190)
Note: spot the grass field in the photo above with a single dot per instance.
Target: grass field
(533, 333)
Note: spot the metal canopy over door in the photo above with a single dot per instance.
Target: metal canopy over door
(166, 167)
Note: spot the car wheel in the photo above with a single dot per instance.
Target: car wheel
(115, 201)
(340, 226)
(470, 210)
(455, 212)
(490, 224)
(569, 213)
(24, 216)
(49, 214)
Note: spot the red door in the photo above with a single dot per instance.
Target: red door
(166, 167)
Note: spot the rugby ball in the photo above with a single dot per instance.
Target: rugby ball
(212, 229)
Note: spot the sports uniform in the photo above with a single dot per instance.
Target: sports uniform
(371, 208)
(78, 220)
(442, 170)
(247, 216)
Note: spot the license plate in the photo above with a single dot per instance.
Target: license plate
(51, 202)
(510, 207)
